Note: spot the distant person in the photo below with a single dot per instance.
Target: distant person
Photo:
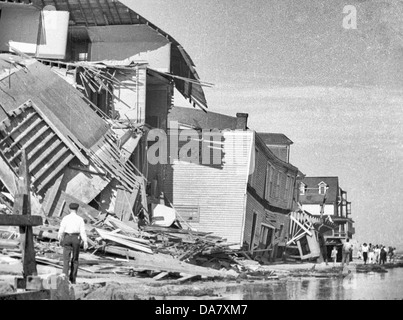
(390, 254)
(394, 255)
(383, 255)
(377, 252)
(365, 252)
(347, 249)
(71, 232)
(370, 254)
(359, 253)
(334, 255)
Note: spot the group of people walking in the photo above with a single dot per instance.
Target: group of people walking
(377, 254)
(371, 254)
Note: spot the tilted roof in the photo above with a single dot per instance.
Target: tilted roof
(275, 139)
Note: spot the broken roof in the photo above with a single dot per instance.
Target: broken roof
(55, 96)
(27, 84)
(92, 13)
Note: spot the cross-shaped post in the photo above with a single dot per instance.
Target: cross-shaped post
(22, 217)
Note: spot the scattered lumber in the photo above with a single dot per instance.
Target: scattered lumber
(9, 244)
(117, 247)
(128, 243)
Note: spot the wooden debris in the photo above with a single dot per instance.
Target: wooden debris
(161, 275)
(128, 243)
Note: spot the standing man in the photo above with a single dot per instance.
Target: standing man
(71, 232)
(347, 248)
(365, 252)
(334, 255)
(383, 256)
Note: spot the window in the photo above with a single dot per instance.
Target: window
(342, 229)
(288, 189)
(277, 193)
(269, 181)
(280, 232)
(266, 236)
(302, 188)
(291, 191)
(270, 191)
(322, 188)
(283, 183)
(256, 172)
(266, 181)
(189, 213)
(252, 237)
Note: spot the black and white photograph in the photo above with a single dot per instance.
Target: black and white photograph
(198, 155)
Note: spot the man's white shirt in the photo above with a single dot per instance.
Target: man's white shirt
(73, 223)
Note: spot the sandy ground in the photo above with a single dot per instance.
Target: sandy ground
(124, 287)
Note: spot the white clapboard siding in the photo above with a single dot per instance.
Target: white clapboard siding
(219, 193)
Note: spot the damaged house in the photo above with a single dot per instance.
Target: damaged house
(82, 83)
(323, 196)
(246, 196)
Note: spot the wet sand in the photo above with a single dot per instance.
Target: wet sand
(294, 281)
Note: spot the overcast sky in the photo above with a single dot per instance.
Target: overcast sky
(337, 93)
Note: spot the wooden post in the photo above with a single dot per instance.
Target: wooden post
(22, 206)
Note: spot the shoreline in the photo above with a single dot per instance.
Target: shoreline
(125, 287)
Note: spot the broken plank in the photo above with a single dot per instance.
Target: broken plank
(161, 275)
(20, 220)
(9, 244)
(136, 246)
(60, 214)
(144, 241)
(123, 226)
(186, 277)
(51, 195)
(28, 295)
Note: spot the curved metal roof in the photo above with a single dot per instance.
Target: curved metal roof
(90, 13)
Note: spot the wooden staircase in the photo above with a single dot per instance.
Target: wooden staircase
(47, 154)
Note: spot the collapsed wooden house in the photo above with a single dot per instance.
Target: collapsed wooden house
(81, 85)
(306, 235)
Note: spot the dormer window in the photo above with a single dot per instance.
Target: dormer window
(302, 188)
(322, 188)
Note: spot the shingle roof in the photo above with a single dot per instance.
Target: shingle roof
(312, 196)
(275, 139)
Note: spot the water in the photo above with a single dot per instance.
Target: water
(360, 286)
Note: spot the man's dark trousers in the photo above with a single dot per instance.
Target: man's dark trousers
(71, 246)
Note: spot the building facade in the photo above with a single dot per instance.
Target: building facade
(323, 196)
(246, 198)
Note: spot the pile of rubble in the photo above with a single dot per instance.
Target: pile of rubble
(117, 247)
